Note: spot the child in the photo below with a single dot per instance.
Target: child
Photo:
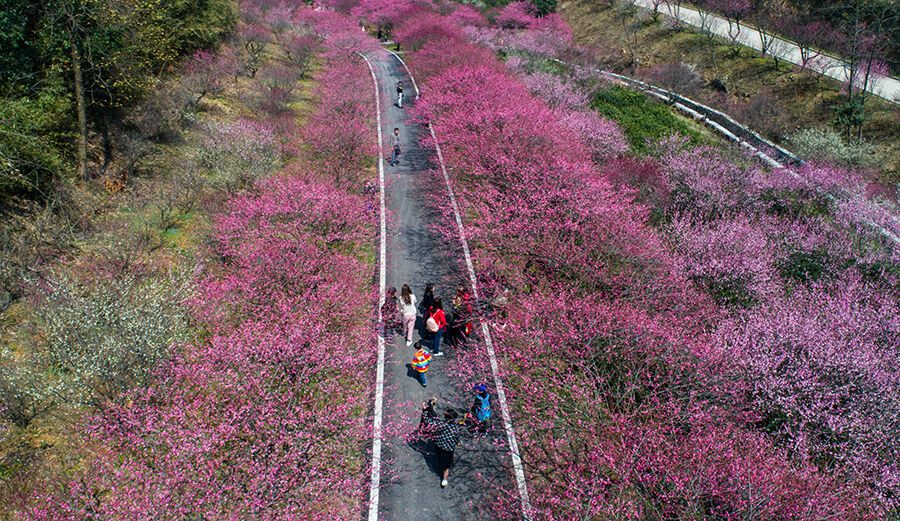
(420, 362)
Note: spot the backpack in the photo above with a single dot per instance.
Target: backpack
(483, 409)
(431, 324)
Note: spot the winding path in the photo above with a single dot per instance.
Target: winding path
(833, 67)
(405, 483)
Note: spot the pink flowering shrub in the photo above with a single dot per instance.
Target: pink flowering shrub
(517, 15)
(603, 136)
(340, 150)
(262, 413)
(556, 92)
(625, 399)
(206, 74)
(817, 354)
(555, 24)
(466, 15)
(275, 87)
(423, 27)
(801, 253)
(382, 13)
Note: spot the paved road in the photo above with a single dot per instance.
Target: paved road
(887, 88)
(410, 488)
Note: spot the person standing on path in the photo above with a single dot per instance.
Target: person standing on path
(481, 410)
(461, 325)
(446, 438)
(395, 146)
(408, 312)
(400, 94)
(420, 362)
(437, 314)
(389, 314)
(427, 298)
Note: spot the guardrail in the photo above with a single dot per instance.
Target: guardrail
(735, 132)
(768, 152)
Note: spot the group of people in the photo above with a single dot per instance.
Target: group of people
(446, 431)
(400, 314)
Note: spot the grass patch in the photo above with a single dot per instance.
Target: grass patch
(640, 118)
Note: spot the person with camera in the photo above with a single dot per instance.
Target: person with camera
(446, 435)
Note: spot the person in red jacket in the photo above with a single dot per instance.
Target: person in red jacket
(437, 313)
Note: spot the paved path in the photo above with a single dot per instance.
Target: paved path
(887, 88)
(410, 485)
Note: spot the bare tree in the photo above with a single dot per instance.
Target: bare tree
(863, 41)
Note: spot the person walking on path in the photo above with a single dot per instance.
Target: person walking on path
(481, 410)
(437, 324)
(446, 438)
(395, 146)
(400, 94)
(389, 314)
(420, 362)
(408, 312)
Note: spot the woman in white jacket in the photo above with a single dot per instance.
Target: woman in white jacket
(408, 312)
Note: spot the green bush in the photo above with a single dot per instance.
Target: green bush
(33, 135)
(640, 118)
(805, 266)
(826, 144)
(727, 290)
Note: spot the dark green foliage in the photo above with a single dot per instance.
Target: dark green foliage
(125, 47)
(727, 291)
(202, 23)
(849, 115)
(795, 203)
(34, 132)
(640, 118)
(16, 31)
(805, 266)
(544, 7)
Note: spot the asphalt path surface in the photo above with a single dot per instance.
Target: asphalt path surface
(416, 255)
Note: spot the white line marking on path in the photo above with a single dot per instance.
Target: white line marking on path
(518, 470)
(375, 485)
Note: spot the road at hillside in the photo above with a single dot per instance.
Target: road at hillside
(410, 488)
(887, 88)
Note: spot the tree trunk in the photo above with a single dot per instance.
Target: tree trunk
(79, 102)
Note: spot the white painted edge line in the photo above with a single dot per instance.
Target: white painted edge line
(518, 469)
(375, 479)
(408, 72)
